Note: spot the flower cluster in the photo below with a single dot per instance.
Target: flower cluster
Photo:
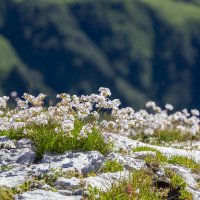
(91, 109)
(3, 101)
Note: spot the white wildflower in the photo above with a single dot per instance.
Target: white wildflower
(148, 131)
(185, 112)
(3, 101)
(150, 104)
(181, 128)
(194, 129)
(87, 129)
(13, 94)
(195, 112)
(169, 107)
(157, 109)
(104, 91)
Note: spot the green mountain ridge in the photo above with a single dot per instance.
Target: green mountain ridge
(140, 49)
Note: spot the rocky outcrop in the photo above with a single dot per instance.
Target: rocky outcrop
(61, 176)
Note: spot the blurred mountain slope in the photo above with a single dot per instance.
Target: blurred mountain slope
(14, 75)
(141, 49)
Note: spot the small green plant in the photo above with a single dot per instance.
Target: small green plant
(112, 166)
(185, 195)
(35, 183)
(178, 183)
(92, 173)
(5, 168)
(144, 148)
(185, 162)
(26, 186)
(71, 174)
(6, 193)
(108, 166)
(153, 162)
(158, 159)
(52, 177)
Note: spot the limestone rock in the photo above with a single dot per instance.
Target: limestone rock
(12, 181)
(122, 142)
(83, 162)
(44, 195)
(105, 180)
(71, 184)
(22, 153)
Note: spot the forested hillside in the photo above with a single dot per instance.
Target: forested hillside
(140, 49)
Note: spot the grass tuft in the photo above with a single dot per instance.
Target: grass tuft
(185, 162)
(47, 140)
(159, 158)
(112, 166)
(167, 137)
(142, 185)
(6, 193)
(179, 185)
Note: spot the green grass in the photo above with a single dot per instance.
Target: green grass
(160, 158)
(174, 136)
(150, 159)
(143, 185)
(112, 166)
(6, 193)
(109, 166)
(24, 187)
(126, 190)
(167, 137)
(144, 148)
(185, 162)
(178, 183)
(4, 168)
(46, 140)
